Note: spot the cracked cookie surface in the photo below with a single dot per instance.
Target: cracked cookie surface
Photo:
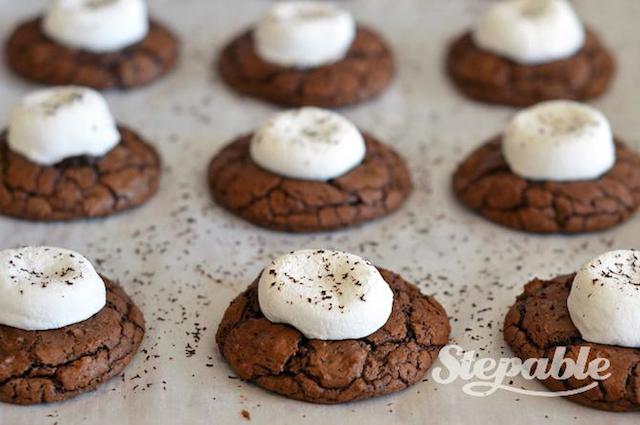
(36, 57)
(376, 187)
(79, 187)
(279, 358)
(366, 71)
(55, 365)
(485, 76)
(539, 322)
(485, 184)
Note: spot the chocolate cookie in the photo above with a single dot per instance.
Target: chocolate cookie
(366, 70)
(487, 77)
(36, 57)
(279, 358)
(376, 187)
(79, 187)
(539, 322)
(55, 365)
(485, 183)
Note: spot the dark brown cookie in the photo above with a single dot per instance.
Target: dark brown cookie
(36, 57)
(376, 187)
(485, 183)
(539, 322)
(366, 71)
(79, 187)
(55, 365)
(487, 77)
(279, 358)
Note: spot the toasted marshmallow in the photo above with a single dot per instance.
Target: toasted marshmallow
(308, 143)
(530, 31)
(47, 288)
(96, 25)
(559, 140)
(304, 34)
(50, 125)
(604, 302)
(325, 294)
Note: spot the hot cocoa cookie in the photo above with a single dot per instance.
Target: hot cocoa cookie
(64, 329)
(539, 322)
(64, 157)
(279, 358)
(485, 183)
(555, 169)
(307, 53)
(488, 77)
(79, 187)
(35, 56)
(54, 365)
(374, 188)
(522, 52)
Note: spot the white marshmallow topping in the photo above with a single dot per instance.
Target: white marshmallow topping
(329, 295)
(45, 288)
(530, 31)
(304, 34)
(559, 140)
(604, 303)
(308, 143)
(97, 26)
(50, 125)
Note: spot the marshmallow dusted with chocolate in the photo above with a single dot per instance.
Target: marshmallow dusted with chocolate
(604, 302)
(50, 125)
(308, 143)
(45, 288)
(325, 294)
(559, 141)
(530, 31)
(304, 34)
(97, 25)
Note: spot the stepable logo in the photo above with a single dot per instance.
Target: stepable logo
(485, 376)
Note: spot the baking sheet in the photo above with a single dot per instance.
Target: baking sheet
(183, 259)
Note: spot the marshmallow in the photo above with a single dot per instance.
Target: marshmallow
(53, 124)
(304, 34)
(604, 303)
(47, 288)
(97, 25)
(308, 143)
(559, 140)
(325, 294)
(530, 31)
